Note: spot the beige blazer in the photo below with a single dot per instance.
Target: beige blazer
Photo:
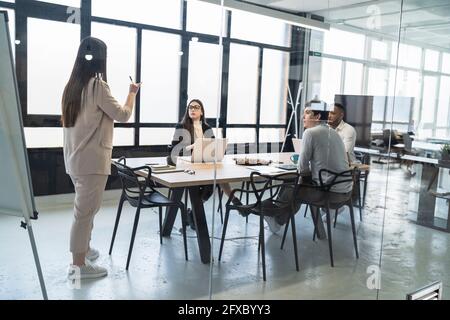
(88, 145)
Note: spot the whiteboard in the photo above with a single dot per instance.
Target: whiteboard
(16, 193)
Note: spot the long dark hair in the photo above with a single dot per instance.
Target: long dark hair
(187, 121)
(90, 62)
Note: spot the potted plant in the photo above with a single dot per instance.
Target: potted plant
(445, 152)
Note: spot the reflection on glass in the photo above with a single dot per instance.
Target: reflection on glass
(50, 63)
(335, 38)
(161, 76)
(204, 75)
(431, 60)
(242, 84)
(258, 28)
(123, 137)
(121, 43)
(353, 78)
(331, 79)
(69, 3)
(44, 137)
(241, 135)
(274, 87)
(204, 18)
(155, 136)
(164, 13)
(429, 100)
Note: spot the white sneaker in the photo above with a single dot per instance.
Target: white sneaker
(273, 224)
(92, 254)
(88, 271)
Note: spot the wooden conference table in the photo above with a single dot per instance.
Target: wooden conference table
(226, 172)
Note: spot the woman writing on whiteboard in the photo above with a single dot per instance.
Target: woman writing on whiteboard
(88, 114)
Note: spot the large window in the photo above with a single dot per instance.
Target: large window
(52, 49)
(164, 13)
(204, 75)
(121, 43)
(204, 17)
(161, 56)
(243, 84)
(274, 87)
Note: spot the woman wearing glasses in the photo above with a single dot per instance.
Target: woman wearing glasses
(194, 126)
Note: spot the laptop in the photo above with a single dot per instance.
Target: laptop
(208, 150)
(297, 145)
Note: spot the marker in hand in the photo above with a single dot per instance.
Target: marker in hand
(133, 86)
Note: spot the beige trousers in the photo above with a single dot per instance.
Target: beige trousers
(88, 199)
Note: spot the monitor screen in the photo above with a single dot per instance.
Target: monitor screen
(358, 113)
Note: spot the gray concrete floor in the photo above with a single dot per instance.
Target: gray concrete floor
(411, 256)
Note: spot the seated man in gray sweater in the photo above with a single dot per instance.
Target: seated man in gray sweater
(322, 148)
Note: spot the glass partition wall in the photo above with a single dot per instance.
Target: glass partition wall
(387, 64)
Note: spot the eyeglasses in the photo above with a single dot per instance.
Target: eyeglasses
(189, 171)
(195, 107)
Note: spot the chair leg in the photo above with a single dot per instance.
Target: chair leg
(330, 242)
(160, 225)
(359, 202)
(116, 225)
(219, 209)
(284, 234)
(247, 194)
(352, 219)
(315, 221)
(306, 211)
(335, 218)
(262, 244)
(133, 235)
(242, 188)
(294, 239)
(365, 187)
(183, 226)
(224, 231)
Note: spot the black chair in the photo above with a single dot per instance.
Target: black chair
(262, 206)
(331, 200)
(364, 175)
(140, 193)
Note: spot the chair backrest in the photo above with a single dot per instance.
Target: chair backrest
(335, 178)
(131, 186)
(407, 141)
(272, 185)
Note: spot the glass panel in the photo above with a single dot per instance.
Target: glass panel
(69, 3)
(242, 84)
(379, 50)
(334, 39)
(446, 63)
(429, 100)
(161, 61)
(258, 28)
(44, 137)
(271, 135)
(331, 79)
(241, 135)
(273, 87)
(12, 29)
(156, 136)
(204, 18)
(164, 13)
(123, 137)
(204, 75)
(377, 83)
(431, 60)
(45, 62)
(410, 56)
(444, 102)
(121, 43)
(353, 78)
